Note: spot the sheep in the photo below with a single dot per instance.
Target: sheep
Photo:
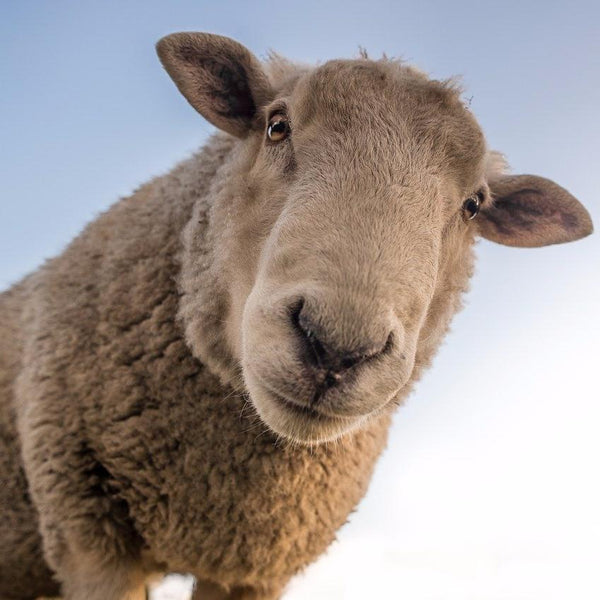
(203, 380)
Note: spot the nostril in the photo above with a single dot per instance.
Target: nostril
(317, 354)
(295, 310)
(389, 344)
(349, 360)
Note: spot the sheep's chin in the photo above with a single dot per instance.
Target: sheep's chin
(296, 424)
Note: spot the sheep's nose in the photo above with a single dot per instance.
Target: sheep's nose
(328, 359)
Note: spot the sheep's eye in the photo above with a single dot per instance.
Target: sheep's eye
(278, 129)
(471, 206)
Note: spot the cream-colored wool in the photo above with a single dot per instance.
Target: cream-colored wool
(203, 380)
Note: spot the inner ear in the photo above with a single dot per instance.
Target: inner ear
(219, 77)
(531, 211)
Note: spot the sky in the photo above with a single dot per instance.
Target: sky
(489, 488)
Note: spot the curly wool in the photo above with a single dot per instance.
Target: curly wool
(135, 451)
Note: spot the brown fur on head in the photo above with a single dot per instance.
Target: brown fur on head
(342, 241)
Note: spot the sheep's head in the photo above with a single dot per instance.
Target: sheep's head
(344, 226)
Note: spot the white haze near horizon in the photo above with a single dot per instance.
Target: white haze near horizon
(489, 488)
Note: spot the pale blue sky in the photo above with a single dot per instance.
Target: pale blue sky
(489, 489)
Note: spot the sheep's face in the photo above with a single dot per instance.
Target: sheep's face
(365, 181)
(353, 204)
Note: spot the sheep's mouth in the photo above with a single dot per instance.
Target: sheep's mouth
(304, 411)
(308, 425)
(304, 423)
(309, 412)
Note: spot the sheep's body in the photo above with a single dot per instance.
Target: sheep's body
(126, 432)
(279, 282)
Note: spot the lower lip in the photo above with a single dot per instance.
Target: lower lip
(305, 411)
(315, 415)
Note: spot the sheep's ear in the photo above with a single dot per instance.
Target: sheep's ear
(531, 211)
(218, 76)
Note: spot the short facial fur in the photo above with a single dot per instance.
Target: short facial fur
(343, 248)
